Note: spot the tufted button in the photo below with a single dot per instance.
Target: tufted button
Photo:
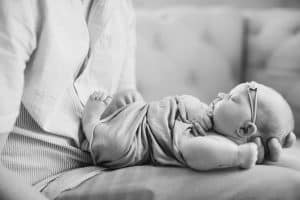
(192, 78)
(164, 16)
(296, 30)
(206, 36)
(157, 42)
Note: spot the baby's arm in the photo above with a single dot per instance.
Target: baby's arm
(213, 152)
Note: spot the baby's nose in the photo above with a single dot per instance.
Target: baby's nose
(222, 95)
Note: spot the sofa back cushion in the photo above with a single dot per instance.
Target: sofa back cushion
(273, 53)
(188, 50)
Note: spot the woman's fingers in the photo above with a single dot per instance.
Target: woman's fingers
(289, 140)
(273, 146)
(274, 149)
(261, 150)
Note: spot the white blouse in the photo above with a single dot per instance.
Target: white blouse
(43, 65)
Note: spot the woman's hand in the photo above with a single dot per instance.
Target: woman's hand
(273, 148)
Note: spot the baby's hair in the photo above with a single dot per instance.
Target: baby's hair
(274, 115)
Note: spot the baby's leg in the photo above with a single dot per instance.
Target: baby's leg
(93, 110)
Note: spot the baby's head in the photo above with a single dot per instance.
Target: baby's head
(252, 109)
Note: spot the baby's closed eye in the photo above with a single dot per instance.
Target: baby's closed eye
(235, 98)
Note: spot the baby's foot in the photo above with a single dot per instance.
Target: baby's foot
(121, 99)
(93, 110)
(247, 155)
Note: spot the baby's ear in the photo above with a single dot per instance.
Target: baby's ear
(248, 129)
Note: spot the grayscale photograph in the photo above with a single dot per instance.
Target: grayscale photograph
(149, 99)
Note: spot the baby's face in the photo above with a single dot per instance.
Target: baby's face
(231, 111)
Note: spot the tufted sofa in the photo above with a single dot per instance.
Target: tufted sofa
(201, 51)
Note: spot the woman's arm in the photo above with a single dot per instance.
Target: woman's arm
(213, 152)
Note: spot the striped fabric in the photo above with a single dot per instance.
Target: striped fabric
(38, 156)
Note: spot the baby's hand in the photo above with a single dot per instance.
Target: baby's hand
(195, 112)
(247, 155)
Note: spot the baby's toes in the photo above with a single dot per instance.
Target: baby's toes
(95, 101)
(95, 105)
(98, 96)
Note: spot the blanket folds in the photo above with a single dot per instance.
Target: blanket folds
(141, 133)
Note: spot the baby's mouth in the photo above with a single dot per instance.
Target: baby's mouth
(212, 105)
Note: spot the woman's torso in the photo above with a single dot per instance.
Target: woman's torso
(57, 78)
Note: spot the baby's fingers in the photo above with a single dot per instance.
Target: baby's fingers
(289, 140)
(275, 149)
(199, 128)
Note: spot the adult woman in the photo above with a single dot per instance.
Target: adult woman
(53, 55)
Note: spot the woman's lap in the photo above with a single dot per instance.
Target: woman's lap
(38, 160)
(150, 182)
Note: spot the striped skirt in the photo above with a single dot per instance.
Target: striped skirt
(50, 163)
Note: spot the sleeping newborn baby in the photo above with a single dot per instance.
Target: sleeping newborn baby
(183, 131)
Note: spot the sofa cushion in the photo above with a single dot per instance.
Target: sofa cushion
(188, 51)
(273, 53)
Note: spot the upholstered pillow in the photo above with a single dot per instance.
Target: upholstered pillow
(273, 53)
(188, 51)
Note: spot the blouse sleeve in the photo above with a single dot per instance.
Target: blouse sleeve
(17, 42)
(128, 75)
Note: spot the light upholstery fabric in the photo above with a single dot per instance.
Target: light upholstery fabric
(165, 183)
(273, 53)
(267, 182)
(188, 51)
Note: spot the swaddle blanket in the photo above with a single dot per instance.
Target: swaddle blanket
(141, 133)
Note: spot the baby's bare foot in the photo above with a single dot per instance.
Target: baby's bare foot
(93, 110)
(121, 99)
(247, 155)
